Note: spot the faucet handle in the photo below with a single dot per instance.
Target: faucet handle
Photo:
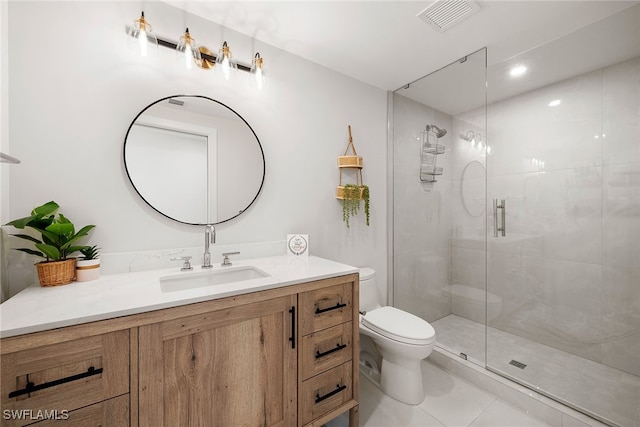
(186, 265)
(225, 261)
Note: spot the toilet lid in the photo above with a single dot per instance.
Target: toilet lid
(399, 325)
(366, 273)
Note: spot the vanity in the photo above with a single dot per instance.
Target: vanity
(266, 342)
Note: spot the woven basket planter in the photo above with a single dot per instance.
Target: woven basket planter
(340, 192)
(55, 273)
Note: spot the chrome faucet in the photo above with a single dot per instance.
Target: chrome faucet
(209, 237)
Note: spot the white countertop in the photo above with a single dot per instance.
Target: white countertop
(41, 308)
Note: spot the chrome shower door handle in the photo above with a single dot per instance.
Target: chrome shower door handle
(499, 227)
(503, 207)
(495, 217)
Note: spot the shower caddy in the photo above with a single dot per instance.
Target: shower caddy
(429, 156)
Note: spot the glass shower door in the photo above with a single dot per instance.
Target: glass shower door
(438, 203)
(563, 224)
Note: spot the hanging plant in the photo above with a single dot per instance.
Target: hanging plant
(352, 195)
(365, 196)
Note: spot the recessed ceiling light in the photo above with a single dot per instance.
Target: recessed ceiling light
(518, 70)
(554, 103)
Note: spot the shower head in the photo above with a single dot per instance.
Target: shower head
(439, 132)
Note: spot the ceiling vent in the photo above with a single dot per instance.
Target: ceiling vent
(444, 14)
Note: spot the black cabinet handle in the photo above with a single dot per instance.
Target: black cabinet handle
(338, 347)
(31, 387)
(335, 307)
(338, 389)
(293, 327)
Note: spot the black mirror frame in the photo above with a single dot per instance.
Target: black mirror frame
(264, 165)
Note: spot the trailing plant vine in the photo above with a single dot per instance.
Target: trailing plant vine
(351, 201)
(365, 195)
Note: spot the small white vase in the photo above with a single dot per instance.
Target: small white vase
(87, 269)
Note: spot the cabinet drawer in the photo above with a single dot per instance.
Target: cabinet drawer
(325, 349)
(109, 413)
(326, 392)
(66, 376)
(326, 307)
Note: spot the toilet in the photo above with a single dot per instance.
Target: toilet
(402, 339)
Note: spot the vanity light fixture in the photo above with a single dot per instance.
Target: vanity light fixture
(472, 137)
(203, 57)
(142, 33)
(187, 48)
(475, 141)
(257, 70)
(225, 61)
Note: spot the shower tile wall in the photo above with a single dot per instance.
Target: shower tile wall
(567, 273)
(422, 215)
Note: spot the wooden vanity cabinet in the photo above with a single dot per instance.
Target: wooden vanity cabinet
(281, 357)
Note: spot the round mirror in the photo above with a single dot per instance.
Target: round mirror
(194, 160)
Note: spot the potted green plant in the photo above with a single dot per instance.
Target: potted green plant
(351, 198)
(88, 266)
(56, 243)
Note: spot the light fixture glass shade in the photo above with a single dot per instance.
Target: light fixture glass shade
(225, 62)
(257, 71)
(187, 50)
(142, 37)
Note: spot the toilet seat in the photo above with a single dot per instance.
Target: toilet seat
(399, 325)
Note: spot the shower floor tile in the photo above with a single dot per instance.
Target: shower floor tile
(606, 393)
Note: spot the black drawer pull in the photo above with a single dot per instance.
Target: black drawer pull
(338, 389)
(31, 387)
(335, 307)
(336, 348)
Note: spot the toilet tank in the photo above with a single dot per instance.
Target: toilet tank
(368, 289)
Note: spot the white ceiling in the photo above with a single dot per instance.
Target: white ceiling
(608, 41)
(385, 44)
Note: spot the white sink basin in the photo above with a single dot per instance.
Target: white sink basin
(182, 281)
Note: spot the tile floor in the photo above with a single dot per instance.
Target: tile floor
(449, 402)
(607, 393)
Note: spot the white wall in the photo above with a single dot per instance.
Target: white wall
(75, 88)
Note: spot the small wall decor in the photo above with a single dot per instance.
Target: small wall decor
(352, 194)
(298, 244)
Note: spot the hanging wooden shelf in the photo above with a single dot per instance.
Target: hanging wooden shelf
(350, 160)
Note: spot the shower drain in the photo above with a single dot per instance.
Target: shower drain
(518, 364)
